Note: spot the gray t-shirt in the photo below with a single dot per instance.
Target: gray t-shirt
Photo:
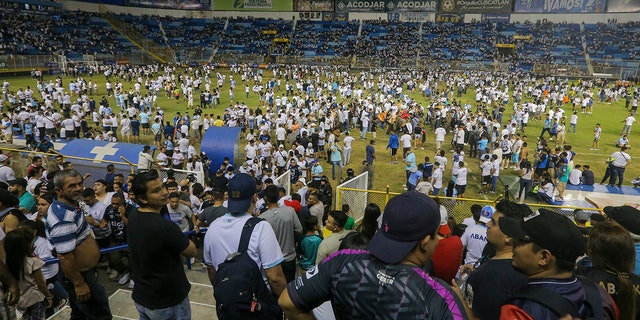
(284, 222)
(180, 216)
(211, 213)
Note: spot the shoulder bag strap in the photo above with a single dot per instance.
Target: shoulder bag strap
(548, 298)
(247, 230)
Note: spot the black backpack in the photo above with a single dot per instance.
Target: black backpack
(239, 289)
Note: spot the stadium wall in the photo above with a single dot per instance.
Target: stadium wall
(515, 17)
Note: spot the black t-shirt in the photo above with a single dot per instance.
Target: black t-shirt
(610, 283)
(489, 286)
(211, 213)
(118, 228)
(156, 245)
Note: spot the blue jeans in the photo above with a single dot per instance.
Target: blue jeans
(494, 180)
(98, 305)
(181, 311)
(617, 173)
(435, 192)
(333, 169)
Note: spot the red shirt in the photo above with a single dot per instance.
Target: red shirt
(447, 258)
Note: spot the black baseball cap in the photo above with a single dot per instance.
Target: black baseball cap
(550, 231)
(627, 216)
(407, 219)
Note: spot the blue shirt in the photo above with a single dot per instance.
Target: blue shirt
(371, 152)
(411, 158)
(66, 227)
(393, 142)
(144, 117)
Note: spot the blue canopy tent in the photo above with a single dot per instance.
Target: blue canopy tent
(220, 142)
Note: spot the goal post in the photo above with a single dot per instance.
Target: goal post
(354, 192)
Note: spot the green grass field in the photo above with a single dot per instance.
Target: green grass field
(393, 175)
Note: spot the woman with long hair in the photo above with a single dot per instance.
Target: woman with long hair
(369, 225)
(42, 206)
(612, 252)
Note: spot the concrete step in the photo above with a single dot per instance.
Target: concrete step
(122, 306)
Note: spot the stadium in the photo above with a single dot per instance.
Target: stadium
(449, 80)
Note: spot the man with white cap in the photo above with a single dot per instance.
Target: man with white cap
(474, 237)
(355, 280)
(6, 172)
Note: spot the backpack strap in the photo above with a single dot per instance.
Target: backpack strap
(247, 230)
(548, 298)
(594, 299)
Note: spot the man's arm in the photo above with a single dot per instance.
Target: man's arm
(71, 271)
(190, 251)
(276, 279)
(211, 272)
(291, 310)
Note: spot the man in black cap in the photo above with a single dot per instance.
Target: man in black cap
(355, 280)
(545, 248)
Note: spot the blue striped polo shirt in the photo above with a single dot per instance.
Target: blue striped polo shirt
(66, 227)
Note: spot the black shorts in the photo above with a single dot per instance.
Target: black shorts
(486, 179)
(135, 132)
(145, 125)
(70, 133)
(157, 137)
(461, 189)
(394, 151)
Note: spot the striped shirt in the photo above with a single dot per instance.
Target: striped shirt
(363, 287)
(66, 227)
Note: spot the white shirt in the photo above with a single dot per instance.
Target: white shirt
(440, 133)
(475, 239)
(406, 140)
(462, 176)
(620, 159)
(347, 141)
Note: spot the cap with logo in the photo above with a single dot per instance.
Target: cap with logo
(241, 189)
(548, 230)
(407, 219)
(486, 213)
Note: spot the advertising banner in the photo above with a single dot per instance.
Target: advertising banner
(450, 17)
(409, 16)
(559, 6)
(475, 6)
(496, 18)
(313, 5)
(623, 6)
(253, 5)
(171, 4)
(386, 5)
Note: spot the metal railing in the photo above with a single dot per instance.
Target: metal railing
(459, 208)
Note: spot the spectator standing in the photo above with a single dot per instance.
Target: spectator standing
(393, 144)
(336, 220)
(6, 172)
(621, 160)
(628, 122)
(223, 236)
(309, 243)
(78, 251)
(545, 248)
(161, 289)
(396, 256)
(495, 280)
(597, 131)
(474, 237)
(370, 157)
(286, 225)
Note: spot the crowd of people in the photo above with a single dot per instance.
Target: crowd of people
(306, 118)
(301, 257)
